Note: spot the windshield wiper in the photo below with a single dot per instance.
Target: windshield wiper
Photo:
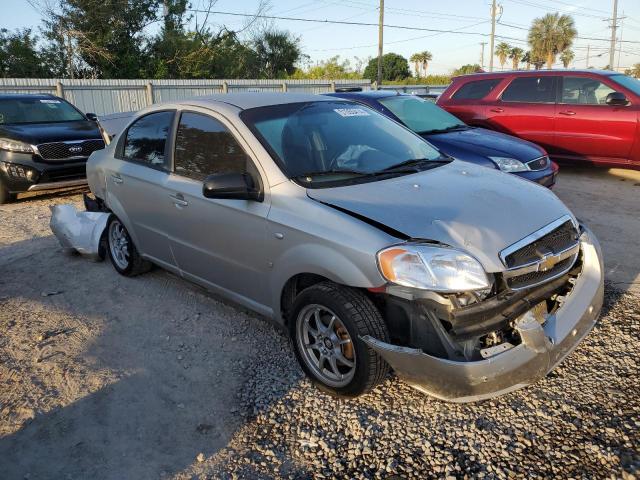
(452, 128)
(412, 165)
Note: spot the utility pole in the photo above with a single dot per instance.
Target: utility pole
(494, 11)
(614, 26)
(620, 42)
(482, 44)
(588, 47)
(380, 28)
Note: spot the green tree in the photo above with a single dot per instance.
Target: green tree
(516, 55)
(526, 59)
(394, 67)
(19, 55)
(333, 68)
(416, 59)
(467, 69)
(566, 57)
(551, 35)
(633, 71)
(503, 50)
(277, 52)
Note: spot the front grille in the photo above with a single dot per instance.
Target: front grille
(562, 238)
(539, 163)
(534, 278)
(66, 150)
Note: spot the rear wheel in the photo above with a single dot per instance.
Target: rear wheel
(326, 326)
(122, 252)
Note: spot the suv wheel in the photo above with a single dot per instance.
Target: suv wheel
(122, 252)
(326, 323)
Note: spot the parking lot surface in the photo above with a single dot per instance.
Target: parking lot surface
(103, 376)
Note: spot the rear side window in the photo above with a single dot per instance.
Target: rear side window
(147, 137)
(530, 90)
(476, 89)
(205, 146)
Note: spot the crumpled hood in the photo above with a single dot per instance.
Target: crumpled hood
(467, 206)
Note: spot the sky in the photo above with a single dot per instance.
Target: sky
(469, 18)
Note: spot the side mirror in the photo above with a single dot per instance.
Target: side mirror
(616, 99)
(91, 116)
(231, 186)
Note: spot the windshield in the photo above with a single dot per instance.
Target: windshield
(36, 110)
(328, 141)
(631, 83)
(421, 115)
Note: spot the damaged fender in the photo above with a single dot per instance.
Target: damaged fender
(79, 231)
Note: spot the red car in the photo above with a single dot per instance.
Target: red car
(576, 115)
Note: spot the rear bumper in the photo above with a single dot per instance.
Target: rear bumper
(541, 350)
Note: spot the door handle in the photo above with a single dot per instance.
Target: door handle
(567, 112)
(116, 179)
(178, 200)
(497, 110)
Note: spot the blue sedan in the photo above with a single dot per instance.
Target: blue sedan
(455, 138)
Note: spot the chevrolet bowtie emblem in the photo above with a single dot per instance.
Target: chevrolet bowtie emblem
(547, 262)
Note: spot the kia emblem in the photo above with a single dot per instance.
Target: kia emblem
(76, 149)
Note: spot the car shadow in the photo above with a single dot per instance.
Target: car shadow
(129, 377)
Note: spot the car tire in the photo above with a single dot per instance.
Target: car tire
(122, 252)
(5, 195)
(325, 351)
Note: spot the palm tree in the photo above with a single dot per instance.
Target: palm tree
(416, 60)
(566, 57)
(426, 57)
(515, 55)
(503, 50)
(551, 35)
(633, 71)
(526, 59)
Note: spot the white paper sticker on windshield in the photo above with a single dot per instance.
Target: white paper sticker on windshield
(49, 101)
(351, 112)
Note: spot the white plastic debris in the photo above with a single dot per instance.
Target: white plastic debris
(79, 231)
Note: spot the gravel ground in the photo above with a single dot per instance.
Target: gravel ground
(107, 377)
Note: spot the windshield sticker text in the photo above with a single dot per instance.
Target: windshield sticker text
(351, 112)
(49, 101)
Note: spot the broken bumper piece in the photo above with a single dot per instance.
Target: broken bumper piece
(79, 231)
(543, 347)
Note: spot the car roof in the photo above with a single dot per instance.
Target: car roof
(10, 96)
(535, 72)
(246, 100)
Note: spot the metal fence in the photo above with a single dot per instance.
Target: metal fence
(415, 89)
(112, 96)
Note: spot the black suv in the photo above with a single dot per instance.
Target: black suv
(44, 144)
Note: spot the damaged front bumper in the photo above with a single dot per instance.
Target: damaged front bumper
(542, 348)
(79, 231)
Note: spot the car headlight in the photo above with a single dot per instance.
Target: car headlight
(15, 146)
(510, 165)
(429, 267)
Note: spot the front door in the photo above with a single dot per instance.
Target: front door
(135, 181)
(216, 242)
(526, 109)
(588, 128)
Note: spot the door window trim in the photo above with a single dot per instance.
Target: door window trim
(516, 77)
(226, 124)
(168, 161)
(611, 85)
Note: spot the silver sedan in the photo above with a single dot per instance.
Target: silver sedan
(372, 248)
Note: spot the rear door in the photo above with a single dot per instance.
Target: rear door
(588, 128)
(136, 180)
(216, 242)
(467, 102)
(526, 109)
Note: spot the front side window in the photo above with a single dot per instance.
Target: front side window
(584, 91)
(421, 115)
(204, 146)
(147, 137)
(27, 109)
(476, 89)
(530, 90)
(331, 141)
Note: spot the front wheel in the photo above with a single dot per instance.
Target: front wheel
(122, 252)
(326, 327)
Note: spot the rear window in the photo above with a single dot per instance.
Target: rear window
(476, 89)
(530, 90)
